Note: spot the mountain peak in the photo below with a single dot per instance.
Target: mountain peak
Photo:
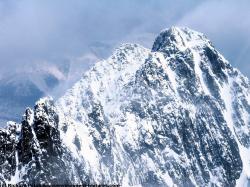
(179, 38)
(125, 50)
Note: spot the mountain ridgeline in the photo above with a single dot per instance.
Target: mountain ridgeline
(175, 115)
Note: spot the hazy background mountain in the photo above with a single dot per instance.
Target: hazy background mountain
(45, 45)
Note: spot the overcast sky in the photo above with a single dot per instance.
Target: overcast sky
(54, 30)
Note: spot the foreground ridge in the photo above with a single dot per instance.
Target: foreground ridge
(178, 114)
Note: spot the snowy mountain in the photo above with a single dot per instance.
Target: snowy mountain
(178, 114)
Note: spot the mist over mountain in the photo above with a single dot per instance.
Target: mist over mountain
(21, 88)
(76, 35)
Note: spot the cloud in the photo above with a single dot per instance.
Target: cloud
(45, 29)
(31, 31)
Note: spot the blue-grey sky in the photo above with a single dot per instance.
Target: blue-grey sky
(55, 30)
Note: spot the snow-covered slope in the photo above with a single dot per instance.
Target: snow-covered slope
(178, 114)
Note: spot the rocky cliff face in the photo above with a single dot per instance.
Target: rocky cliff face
(32, 152)
(178, 114)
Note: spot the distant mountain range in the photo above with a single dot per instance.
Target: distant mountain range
(22, 88)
